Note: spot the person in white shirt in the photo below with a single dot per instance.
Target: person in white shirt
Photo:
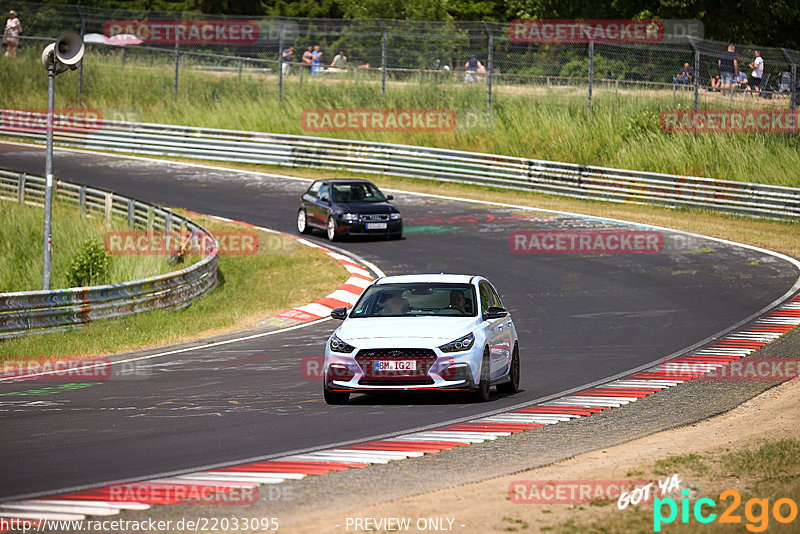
(338, 63)
(758, 71)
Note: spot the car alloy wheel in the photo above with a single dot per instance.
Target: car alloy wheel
(482, 393)
(512, 386)
(302, 222)
(332, 227)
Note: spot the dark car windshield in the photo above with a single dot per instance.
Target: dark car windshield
(356, 192)
(400, 300)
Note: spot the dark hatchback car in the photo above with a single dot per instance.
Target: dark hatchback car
(348, 208)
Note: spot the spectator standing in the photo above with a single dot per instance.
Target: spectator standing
(728, 66)
(286, 59)
(339, 61)
(758, 72)
(316, 62)
(308, 57)
(684, 76)
(471, 66)
(11, 34)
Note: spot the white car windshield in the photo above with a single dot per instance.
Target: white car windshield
(408, 300)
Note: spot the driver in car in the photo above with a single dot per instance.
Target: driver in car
(393, 304)
(458, 301)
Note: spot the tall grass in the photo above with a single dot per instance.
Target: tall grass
(622, 130)
(21, 240)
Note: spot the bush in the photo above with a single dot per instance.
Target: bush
(90, 265)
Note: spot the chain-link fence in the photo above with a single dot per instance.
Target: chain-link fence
(393, 53)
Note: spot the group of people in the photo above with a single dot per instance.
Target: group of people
(729, 73)
(11, 34)
(313, 59)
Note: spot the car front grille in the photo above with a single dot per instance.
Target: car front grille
(424, 358)
(375, 217)
(408, 382)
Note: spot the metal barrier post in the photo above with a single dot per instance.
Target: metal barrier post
(383, 59)
(131, 213)
(280, 63)
(80, 66)
(489, 65)
(177, 67)
(696, 83)
(21, 188)
(591, 73)
(82, 200)
(109, 204)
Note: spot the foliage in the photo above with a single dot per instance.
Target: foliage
(90, 265)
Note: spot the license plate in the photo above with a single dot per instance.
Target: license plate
(395, 365)
(376, 226)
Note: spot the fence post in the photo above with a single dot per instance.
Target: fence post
(80, 67)
(240, 71)
(167, 222)
(21, 188)
(108, 206)
(280, 63)
(793, 92)
(177, 67)
(82, 200)
(131, 214)
(591, 73)
(696, 83)
(383, 58)
(489, 65)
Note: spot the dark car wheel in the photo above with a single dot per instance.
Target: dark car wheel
(512, 386)
(302, 222)
(336, 397)
(482, 393)
(332, 228)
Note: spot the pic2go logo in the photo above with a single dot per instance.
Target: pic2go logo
(756, 511)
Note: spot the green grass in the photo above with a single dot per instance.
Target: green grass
(280, 275)
(21, 241)
(623, 130)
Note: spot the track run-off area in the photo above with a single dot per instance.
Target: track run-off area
(582, 319)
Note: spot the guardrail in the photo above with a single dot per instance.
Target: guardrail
(43, 311)
(550, 177)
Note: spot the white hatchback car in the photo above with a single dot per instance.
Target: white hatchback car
(423, 332)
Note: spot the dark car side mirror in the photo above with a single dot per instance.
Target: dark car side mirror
(389, 197)
(494, 312)
(339, 313)
(324, 198)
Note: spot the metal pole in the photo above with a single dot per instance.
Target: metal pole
(696, 83)
(177, 67)
(591, 73)
(80, 67)
(793, 93)
(383, 59)
(280, 63)
(48, 171)
(489, 65)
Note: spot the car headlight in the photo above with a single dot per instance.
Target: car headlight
(337, 345)
(462, 343)
(394, 216)
(350, 217)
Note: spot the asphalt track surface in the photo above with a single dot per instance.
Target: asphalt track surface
(580, 319)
